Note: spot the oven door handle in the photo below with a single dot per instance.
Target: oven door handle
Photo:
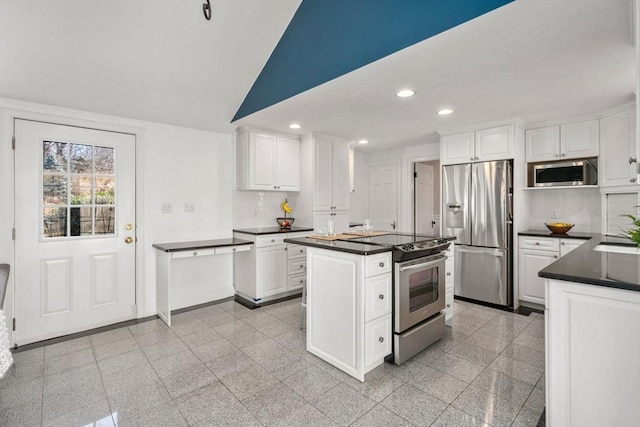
(418, 266)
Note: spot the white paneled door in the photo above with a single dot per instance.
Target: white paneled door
(424, 198)
(383, 196)
(75, 229)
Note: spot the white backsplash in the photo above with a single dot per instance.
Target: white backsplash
(579, 206)
(259, 208)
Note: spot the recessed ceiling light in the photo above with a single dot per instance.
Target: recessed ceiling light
(363, 141)
(294, 126)
(445, 111)
(405, 93)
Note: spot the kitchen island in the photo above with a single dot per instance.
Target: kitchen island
(592, 335)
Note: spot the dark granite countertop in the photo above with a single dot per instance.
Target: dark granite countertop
(200, 244)
(271, 230)
(586, 265)
(340, 246)
(569, 235)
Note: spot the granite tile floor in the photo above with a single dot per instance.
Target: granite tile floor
(227, 365)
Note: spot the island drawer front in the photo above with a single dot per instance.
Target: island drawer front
(193, 253)
(377, 293)
(296, 251)
(232, 249)
(539, 243)
(377, 339)
(297, 266)
(270, 240)
(297, 282)
(377, 264)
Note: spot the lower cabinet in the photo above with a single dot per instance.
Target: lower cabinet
(449, 283)
(592, 355)
(535, 254)
(349, 309)
(271, 269)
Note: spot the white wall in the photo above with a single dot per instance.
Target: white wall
(261, 208)
(579, 206)
(175, 165)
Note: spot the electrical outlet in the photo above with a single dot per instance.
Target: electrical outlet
(188, 207)
(554, 214)
(166, 208)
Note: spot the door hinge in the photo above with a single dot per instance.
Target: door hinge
(13, 142)
(13, 233)
(14, 323)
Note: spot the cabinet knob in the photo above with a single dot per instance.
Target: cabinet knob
(556, 155)
(562, 155)
(233, 249)
(448, 273)
(195, 254)
(381, 339)
(301, 250)
(302, 266)
(273, 240)
(633, 179)
(381, 296)
(537, 243)
(448, 305)
(633, 160)
(381, 265)
(555, 256)
(472, 158)
(562, 243)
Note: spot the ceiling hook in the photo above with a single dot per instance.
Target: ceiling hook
(206, 9)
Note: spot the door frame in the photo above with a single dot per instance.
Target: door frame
(13, 109)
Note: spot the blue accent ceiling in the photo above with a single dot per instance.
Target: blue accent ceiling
(328, 38)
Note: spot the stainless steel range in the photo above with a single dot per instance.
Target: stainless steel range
(419, 293)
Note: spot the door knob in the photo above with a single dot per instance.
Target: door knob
(128, 227)
(381, 296)
(128, 239)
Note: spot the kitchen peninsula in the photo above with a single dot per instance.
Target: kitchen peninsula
(592, 335)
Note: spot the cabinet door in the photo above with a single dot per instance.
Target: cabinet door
(288, 165)
(458, 148)
(377, 340)
(530, 263)
(340, 188)
(494, 144)
(340, 220)
(618, 147)
(542, 144)
(271, 271)
(567, 245)
(322, 174)
(580, 139)
(262, 161)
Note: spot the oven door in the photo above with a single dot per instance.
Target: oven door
(419, 290)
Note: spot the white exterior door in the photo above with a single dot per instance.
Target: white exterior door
(423, 200)
(75, 229)
(383, 196)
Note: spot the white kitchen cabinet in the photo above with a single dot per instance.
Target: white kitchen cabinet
(272, 269)
(267, 162)
(535, 254)
(496, 143)
(340, 220)
(592, 351)
(349, 309)
(565, 141)
(618, 155)
(331, 175)
(449, 282)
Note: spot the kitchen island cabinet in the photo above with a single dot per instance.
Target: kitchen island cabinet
(349, 309)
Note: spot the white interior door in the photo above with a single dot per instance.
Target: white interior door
(75, 229)
(424, 193)
(383, 196)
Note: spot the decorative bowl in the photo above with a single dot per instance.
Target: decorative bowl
(285, 222)
(559, 227)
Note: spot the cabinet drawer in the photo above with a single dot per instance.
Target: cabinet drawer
(296, 251)
(377, 264)
(270, 240)
(539, 243)
(232, 249)
(377, 339)
(377, 295)
(194, 253)
(296, 282)
(296, 266)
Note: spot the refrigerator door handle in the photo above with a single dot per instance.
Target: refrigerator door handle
(487, 251)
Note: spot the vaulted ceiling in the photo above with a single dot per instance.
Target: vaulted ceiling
(162, 61)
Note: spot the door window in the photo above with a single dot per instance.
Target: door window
(78, 190)
(423, 288)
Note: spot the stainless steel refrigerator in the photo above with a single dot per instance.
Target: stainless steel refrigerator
(478, 210)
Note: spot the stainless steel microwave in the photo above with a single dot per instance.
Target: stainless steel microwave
(566, 173)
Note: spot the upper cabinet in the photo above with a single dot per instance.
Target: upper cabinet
(618, 155)
(267, 162)
(496, 143)
(566, 141)
(331, 174)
